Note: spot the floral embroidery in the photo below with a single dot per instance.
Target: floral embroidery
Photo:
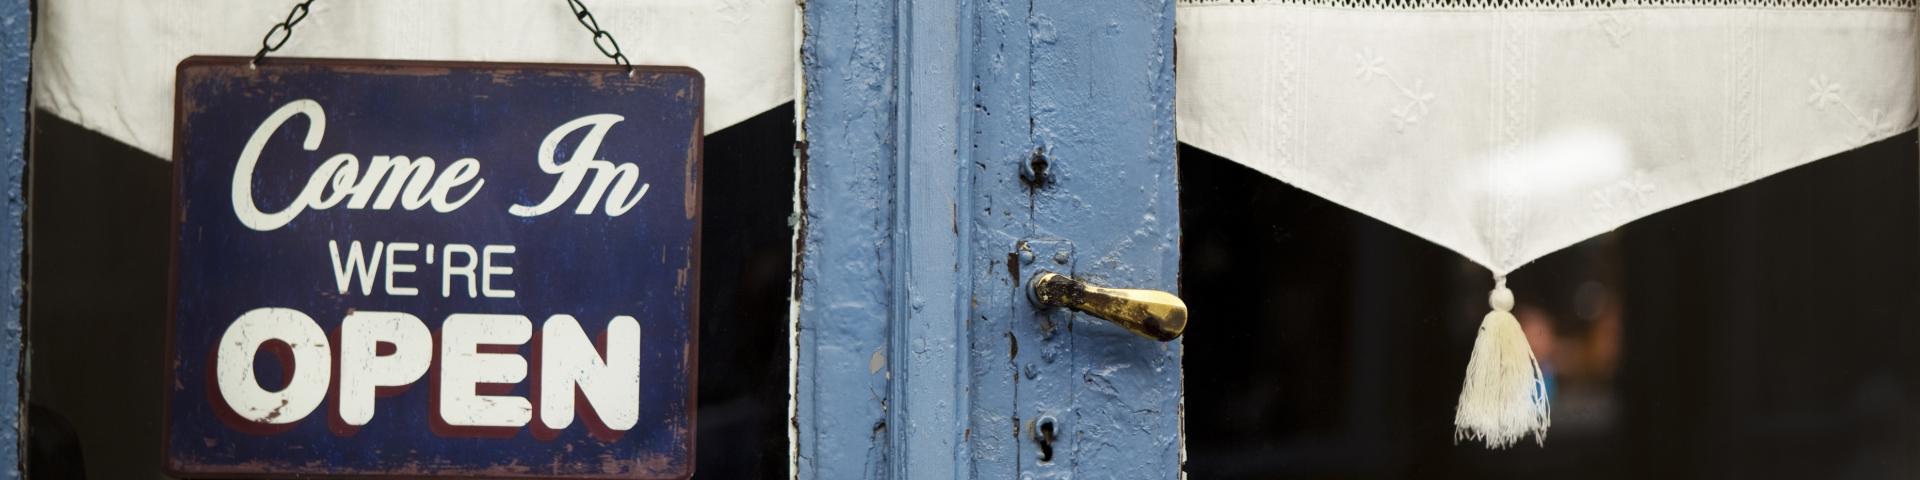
(1370, 66)
(1616, 27)
(1417, 97)
(1625, 196)
(1824, 92)
(737, 10)
(1827, 93)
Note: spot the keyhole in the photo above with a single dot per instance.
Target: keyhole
(1043, 435)
(1034, 171)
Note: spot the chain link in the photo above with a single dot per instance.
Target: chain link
(284, 28)
(610, 47)
(601, 38)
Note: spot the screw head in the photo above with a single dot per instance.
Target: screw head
(1060, 257)
(1026, 256)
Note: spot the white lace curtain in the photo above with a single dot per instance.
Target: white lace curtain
(1501, 129)
(1506, 130)
(1506, 134)
(107, 65)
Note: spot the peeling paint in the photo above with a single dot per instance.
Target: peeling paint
(15, 21)
(843, 280)
(1081, 136)
(1068, 132)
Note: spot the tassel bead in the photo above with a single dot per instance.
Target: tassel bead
(1501, 299)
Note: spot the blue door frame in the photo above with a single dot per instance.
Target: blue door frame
(919, 119)
(939, 139)
(16, 23)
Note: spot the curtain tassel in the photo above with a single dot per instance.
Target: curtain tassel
(1504, 396)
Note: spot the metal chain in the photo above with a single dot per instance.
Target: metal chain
(601, 39)
(284, 28)
(611, 47)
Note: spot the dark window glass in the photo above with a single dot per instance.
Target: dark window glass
(1765, 332)
(97, 297)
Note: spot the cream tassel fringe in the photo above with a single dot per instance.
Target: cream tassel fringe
(1504, 397)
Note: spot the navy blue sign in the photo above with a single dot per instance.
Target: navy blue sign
(433, 269)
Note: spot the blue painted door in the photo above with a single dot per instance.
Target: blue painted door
(951, 151)
(16, 22)
(1074, 173)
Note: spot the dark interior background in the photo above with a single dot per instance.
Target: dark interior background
(1766, 332)
(97, 296)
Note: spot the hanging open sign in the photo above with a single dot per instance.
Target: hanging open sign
(433, 269)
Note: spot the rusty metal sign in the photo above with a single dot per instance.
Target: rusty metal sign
(416, 269)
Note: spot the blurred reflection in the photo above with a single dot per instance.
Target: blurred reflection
(1579, 359)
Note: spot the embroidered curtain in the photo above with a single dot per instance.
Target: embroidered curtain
(1505, 130)
(1507, 133)
(108, 65)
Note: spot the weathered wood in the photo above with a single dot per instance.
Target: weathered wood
(16, 23)
(917, 356)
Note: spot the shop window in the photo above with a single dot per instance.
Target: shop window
(97, 266)
(1765, 332)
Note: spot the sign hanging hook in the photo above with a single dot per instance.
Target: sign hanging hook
(285, 31)
(278, 35)
(610, 48)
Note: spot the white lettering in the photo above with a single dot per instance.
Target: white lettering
(448, 269)
(573, 369)
(396, 266)
(621, 177)
(341, 169)
(388, 178)
(398, 173)
(462, 367)
(342, 274)
(243, 207)
(306, 387)
(363, 370)
(459, 173)
(489, 270)
(568, 359)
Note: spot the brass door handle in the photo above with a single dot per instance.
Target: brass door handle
(1151, 313)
